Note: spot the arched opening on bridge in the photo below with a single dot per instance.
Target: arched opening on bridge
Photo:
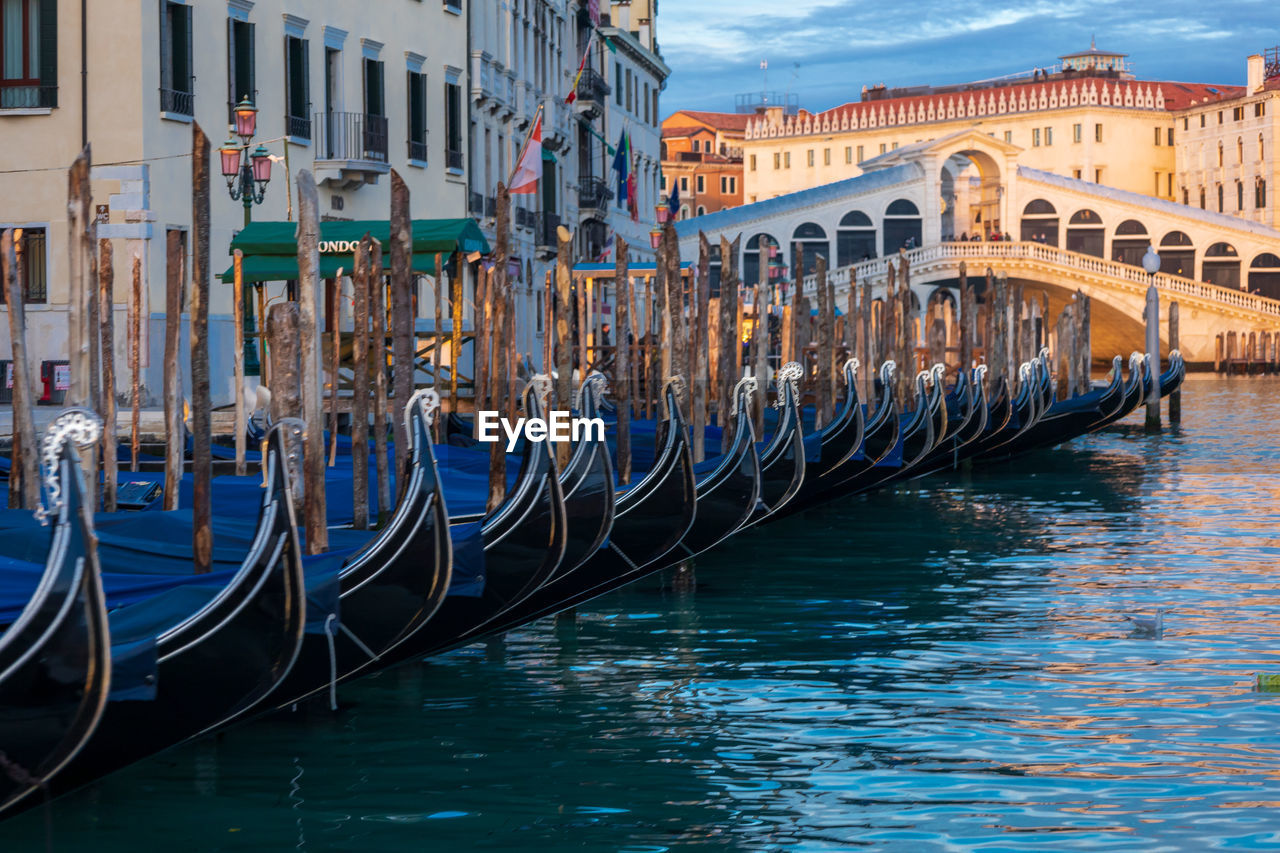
(814, 240)
(941, 308)
(970, 187)
(1130, 242)
(751, 257)
(1264, 275)
(1040, 223)
(855, 238)
(902, 226)
(714, 270)
(1222, 266)
(1086, 234)
(1177, 255)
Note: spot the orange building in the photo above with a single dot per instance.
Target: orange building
(702, 155)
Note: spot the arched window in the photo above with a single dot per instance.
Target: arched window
(1222, 265)
(751, 256)
(902, 226)
(1240, 149)
(684, 211)
(1219, 155)
(855, 238)
(1262, 149)
(1202, 198)
(701, 210)
(1221, 205)
(1177, 255)
(1264, 275)
(1239, 195)
(1040, 223)
(1130, 242)
(813, 239)
(1085, 233)
(1260, 193)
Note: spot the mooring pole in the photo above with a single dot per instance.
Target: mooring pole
(174, 268)
(25, 453)
(281, 330)
(201, 395)
(437, 345)
(237, 298)
(401, 317)
(379, 311)
(135, 361)
(563, 346)
(497, 324)
(360, 383)
(309, 366)
(1153, 353)
(106, 317)
(1175, 399)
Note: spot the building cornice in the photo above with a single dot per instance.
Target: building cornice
(639, 52)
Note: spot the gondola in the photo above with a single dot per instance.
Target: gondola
(782, 461)
(502, 558)
(1022, 413)
(1172, 378)
(1072, 417)
(965, 427)
(391, 588)
(218, 648)
(653, 517)
(879, 446)
(1134, 391)
(55, 656)
(587, 482)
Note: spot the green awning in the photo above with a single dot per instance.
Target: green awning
(271, 248)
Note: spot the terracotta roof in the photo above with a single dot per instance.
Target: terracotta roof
(685, 130)
(1001, 100)
(720, 121)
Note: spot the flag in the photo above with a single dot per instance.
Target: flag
(622, 165)
(586, 52)
(529, 168)
(593, 11)
(673, 201)
(633, 200)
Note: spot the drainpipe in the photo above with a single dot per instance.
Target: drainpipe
(84, 73)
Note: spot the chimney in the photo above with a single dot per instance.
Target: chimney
(1256, 73)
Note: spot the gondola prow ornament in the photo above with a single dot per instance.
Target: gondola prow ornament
(77, 424)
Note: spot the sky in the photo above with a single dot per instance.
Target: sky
(825, 51)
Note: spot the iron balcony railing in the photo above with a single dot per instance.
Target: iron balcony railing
(593, 193)
(545, 230)
(476, 204)
(351, 136)
(177, 102)
(28, 97)
(299, 127)
(418, 150)
(592, 86)
(452, 159)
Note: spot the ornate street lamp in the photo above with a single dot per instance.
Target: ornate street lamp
(247, 173)
(1151, 261)
(655, 238)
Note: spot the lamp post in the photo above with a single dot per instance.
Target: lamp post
(1151, 263)
(247, 173)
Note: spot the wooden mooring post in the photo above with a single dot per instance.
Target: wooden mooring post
(237, 358)
(360, 382)
(282, 335)
(401, 318)
(201, 395)
(135, 361)
(378, 310)
(309, 368)
(24, 474)
(175, 261)
(496, 320)
(106, 318)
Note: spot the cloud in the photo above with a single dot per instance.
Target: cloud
(714, 47)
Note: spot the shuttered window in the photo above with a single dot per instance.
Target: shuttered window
(176, 78)
(241, 73)
(297, 56)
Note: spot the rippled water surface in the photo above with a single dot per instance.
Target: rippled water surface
(945, 665)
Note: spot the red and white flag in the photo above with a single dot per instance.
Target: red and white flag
(529, 168)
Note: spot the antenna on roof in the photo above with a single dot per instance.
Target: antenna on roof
(764, 70)
(1093, 42)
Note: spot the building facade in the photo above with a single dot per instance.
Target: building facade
(702, 156)
(1086, 118)
(342, 93)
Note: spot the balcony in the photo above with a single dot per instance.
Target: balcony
(297, 127)
(418, 150)
(177, 103)
(592, 93)
(593, 199)
(16, 96)
(476, 204)
(546, 238)
(453, 160)
(351, 148)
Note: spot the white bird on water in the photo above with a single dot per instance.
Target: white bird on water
(1147, 626)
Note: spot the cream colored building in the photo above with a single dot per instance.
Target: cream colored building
(1087, 118)
(346, 90)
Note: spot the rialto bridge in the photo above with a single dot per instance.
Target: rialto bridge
(1050, 233)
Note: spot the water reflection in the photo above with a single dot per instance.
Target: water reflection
(941, 666)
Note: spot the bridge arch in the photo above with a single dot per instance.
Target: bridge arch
(970, 186)
(1086, 234)
(813, 238)
(751, 256)
(1264, 275)
(902, 226)
(855, 238)
(1177, 255)
(1130, 242)
(1222, 265)
(1040, 222)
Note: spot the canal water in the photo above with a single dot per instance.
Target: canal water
(945, 665)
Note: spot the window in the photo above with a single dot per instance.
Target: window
(1008, 136)
(861, 155)
(810, 157)
(1077, 133)
(848, 154)
(753, 162)
(453, 125)
(1157, 189)
(241, 73)
(728, 184)
(883, 148)
(1202, 119)
(702, 184)
(1097, 176)
(696, 146)
(1219, 154)
(1219, 116)
(1075, 173)
(29, 54)
(29, 243)
(1238, 114)
(175, 59)
(895, 146)
(646, 103)
(617, 83)
(701, 210)
(1202, 198)
(1186, 123)
(1240, 149)
(630, 102)
(684, 184)
(1262, 149)
(1169, 141)
(1035, 137)
(826, 156)
(1186, 196)
(1048, 136)
(1158, 136)
(1097, 132)
(417, 116)
(1169, 185)
(1260, 194)
(777, 160)
(454, 6)
(1259, 109)
(654, 113)
(297, 119)
(375, 88)
(786, 159)
(1221, 206)
(1239, 195)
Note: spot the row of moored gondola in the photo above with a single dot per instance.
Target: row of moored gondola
(111, 649)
